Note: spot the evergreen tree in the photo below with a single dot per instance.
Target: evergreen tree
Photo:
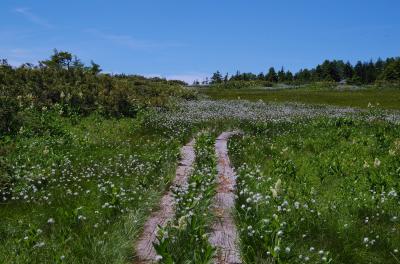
(271, 75)
(216, 78)
(359, 73)
(348, 71)
(226, 78)
(392, 71)
(281, 75)
(329, 71)
(59, 60)
(317, 74)
(95, 68)
(379, 66)
(340, 65)
(303, 76)
(370, 73)
(289, 77)
(336, 70)
(237, 76)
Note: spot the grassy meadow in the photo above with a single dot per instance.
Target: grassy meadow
(80, 191)
(315, 185)
(386, 98)
(323, 191)
(83, 167)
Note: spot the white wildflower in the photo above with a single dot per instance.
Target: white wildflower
(377, 163)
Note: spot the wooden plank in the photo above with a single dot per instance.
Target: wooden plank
(224, 233)
(145, 252)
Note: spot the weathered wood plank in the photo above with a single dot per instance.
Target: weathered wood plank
(224, 234)
(145, 252)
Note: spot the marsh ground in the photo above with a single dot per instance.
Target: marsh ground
(360, 98)
(78, 190)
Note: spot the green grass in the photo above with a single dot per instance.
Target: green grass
(320, 191)
(188, 232)
(387, 98)
(79, 192)
(78, 189)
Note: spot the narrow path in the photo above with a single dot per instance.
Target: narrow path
(224, 234)
(145, 252)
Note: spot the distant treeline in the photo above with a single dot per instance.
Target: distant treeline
(329, 71)
(63, 81)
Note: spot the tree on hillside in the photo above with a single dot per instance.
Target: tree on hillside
(226, 78)
(379, 67)
(333, 71)
(330, 71)
(303, 76)
(95, 68)
(59, 60)
(289, 76)
(392, 71)
(370, 72)
(348, 71)
(281, 75)
(317, 73)
(271, 75)
(359, 73)
(216, 78)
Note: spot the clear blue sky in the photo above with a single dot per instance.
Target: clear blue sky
(191, 39)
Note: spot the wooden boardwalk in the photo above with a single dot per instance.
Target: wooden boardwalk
(145, 252)
(224, 234)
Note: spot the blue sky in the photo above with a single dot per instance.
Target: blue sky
(191, 39)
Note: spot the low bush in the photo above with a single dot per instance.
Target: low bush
(77, 89)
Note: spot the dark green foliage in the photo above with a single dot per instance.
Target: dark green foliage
(65, 82)
(392, 71)
(246, 76)
(216, 78)
(289, 77)
(281, 75)
(386, 72)
(271, 75)
(8, 114)
(360, 73)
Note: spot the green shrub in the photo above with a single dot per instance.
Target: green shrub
(9, 122)
(76, 90)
